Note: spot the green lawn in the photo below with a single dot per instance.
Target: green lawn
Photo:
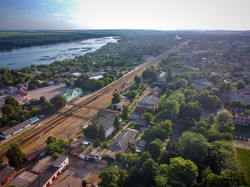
(244, 160)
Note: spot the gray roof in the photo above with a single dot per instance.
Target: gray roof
(24, 179)
(44, 177)
(11, 130)
(42, 165)
(59, 161)
(122, 141)
(149, 100)
(107, 121)
(5, 172)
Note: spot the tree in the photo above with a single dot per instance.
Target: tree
(15, 155)
(148, 117)
(42, 100)
(191, 110)
(116, 98)
(109, 178)
(181, 83)
(170, 74)
(11, 101)
(8, 110)
(148, 171)
(171, 109)
(155, 148)
(224, 121)
(125, 112)
(137, 79)
(181, 172)
(240, 85)
(101, 133)
(117, 124)
(48, 108)
(193, 146)
(58, 101)
(50, 139)
(91, 131)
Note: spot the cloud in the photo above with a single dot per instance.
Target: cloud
(43, 3)
(60, 1)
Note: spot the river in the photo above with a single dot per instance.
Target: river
(47, 54)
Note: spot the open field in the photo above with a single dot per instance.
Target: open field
(48, 92)
(72, 118)
(244, 159)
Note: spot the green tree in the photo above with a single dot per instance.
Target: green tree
(58, 101)
(170, 73)
(224, 122)
(8, 110)
(240, 85)
(11, 101)
(181, 172)
(50, 139)
(101, 133)
(109, 178)
(116, 98)
(193, 146)
(191, 110)
(15, 155)
(42, 100)
(48, 108)
(171, 109)
(181, 83)
(125, 112)
(155, 148)
(91, 131)
(148, 117)
(117, 124)
(148, 172)
(137, 79)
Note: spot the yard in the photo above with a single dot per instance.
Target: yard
(244, 160)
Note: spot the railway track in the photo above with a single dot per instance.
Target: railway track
(58, 119)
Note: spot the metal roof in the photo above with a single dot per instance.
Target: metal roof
(11, 130)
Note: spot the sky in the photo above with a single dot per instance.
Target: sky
(125, 14)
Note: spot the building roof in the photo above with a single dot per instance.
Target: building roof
(5, 172)
(11, 130)
(149, 100)
(58, 162)
(69, 92)
(107, 121)
(24, 179)
(97, 77)
(42, 165)
(123, 102)
(142, 144)
(202, 82)
(44, 177)
(122, 141)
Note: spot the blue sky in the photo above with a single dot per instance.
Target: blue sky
(125, 14)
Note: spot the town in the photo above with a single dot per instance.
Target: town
(183, 110)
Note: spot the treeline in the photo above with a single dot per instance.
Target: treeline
(14, 113)
(43, 38)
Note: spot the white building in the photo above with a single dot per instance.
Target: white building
(161, 78)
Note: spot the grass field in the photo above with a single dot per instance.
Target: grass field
(244, 160)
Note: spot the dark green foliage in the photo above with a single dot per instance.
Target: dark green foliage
(148, 171)
(91, 131)
(209, 101)
(101, 133)
(15, 155)
(148, 117)
(58, 101)
(116, 98)
(56, 148)
(125, 112)
(240, 85)
(149, 74)
(48, 108)
(137, 79)
(181, 83)
(50, 139)
(117, 124)
(190, 110)
(155, 148)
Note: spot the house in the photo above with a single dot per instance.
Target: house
(107, 121)
(76, 74)
(48, 176)
(97, 77)
(142, 144)
(24, 179)
(96, 154)
(42, 165)
(72, 93)
(200, 84)
(11, 89)
(242, 95)
(148, 102)
(161, 78)
(124, 140)
(6, 174)
(6, 133)
(50, 82)
(243, 120)
(155, 91)
(119, 106)
(72, 81)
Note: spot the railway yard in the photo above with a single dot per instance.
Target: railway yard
(72, 118)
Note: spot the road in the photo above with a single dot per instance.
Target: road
(71, 118)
